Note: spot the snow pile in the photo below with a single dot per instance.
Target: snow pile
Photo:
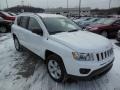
(14, 67)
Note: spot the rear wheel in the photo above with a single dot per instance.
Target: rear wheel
(3, 29)
(17, 44)
(56, 68)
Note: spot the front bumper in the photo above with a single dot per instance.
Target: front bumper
(94, 73)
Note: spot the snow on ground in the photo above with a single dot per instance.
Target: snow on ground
(25, 71)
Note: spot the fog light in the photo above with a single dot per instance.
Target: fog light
(84, 71)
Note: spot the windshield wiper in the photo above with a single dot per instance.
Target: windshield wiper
(73, 30)
(56, 32)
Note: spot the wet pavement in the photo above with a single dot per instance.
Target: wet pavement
(26, 71)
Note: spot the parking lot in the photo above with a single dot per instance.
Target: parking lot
(25, 71)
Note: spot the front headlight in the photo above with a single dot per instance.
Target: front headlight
(82, 56)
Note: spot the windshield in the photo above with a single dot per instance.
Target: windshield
(100, 21)
(109, 21)
(57, 25)
(82, 19)
(93, 19)
(87, 19)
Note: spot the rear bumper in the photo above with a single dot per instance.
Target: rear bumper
(97, 72)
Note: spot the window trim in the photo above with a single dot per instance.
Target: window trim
(20, 24)
(37, 22)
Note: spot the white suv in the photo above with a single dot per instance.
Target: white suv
(66, 49)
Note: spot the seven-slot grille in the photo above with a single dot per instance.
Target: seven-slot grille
(104, 55)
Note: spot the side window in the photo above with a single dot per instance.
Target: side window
(24, 21)
(34, 26)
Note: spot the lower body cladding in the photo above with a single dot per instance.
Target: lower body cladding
(85, 70)
(100, 71)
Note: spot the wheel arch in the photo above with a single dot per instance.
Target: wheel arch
(48, 52)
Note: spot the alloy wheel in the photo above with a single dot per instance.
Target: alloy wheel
(54, 69)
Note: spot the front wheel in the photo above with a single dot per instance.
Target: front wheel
(55, 68)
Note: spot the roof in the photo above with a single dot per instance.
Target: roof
(43, 15)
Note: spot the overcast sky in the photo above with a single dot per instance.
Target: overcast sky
(61, 3)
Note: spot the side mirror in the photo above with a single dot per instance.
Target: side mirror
(38, 31)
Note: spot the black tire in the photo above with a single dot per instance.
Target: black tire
(17, 44)
(3, 29)
(61, 67)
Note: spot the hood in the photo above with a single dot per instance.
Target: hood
(82, 41)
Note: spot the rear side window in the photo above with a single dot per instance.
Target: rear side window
(34, 26)
(23, 21)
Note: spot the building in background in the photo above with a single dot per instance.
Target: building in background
(70, 11)
(20, 9)
(106, 12)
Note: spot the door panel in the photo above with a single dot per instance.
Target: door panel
(21, 29)
(35, 41)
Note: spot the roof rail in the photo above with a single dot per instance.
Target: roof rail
(27, 13)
